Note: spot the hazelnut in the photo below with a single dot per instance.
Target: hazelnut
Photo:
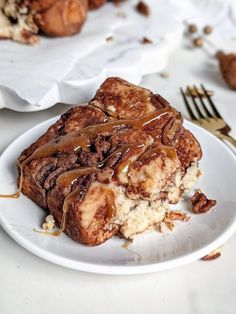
(198, 42)
(192, 28)
(208, 29)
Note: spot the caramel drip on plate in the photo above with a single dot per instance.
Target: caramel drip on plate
(17, 194)
(126, 244)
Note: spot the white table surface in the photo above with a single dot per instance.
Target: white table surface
(30, 285)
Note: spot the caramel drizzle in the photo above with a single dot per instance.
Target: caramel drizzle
(69, 177)
(111, 205)
(168, 150)
(82, 139)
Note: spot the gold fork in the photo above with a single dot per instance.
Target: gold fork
(208, 119)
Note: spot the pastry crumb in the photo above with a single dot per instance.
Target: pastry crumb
(212, 255)
(159, 227)
(111, 108)
(146, 41)
(169, 224)
(121, 14)
(49, 223)
(109, 38)
(177, 215)
(164, 74)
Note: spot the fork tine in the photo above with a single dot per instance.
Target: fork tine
(195, 103)
(190, 112)
(216, 112)
(202, 102)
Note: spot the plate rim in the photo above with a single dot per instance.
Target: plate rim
(116, 269)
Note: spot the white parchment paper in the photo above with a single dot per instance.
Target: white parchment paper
(70, 69)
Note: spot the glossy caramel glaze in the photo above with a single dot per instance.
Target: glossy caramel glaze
(111, 205)
(17, 194)
(69, 177)
(82, 138)
(169, 151)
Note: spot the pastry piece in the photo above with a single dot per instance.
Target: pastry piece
(17, 22)
(23, 19)
(111, 167)
(59, 17)
(227, 64)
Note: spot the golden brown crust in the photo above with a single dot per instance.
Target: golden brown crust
(41, 5)
(120, 99)
(73, 120)
(188, 148)
(61, 17)
(34, 175)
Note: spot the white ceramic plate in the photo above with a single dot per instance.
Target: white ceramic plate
(188, 242)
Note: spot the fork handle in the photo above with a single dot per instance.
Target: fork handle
(227, 138)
